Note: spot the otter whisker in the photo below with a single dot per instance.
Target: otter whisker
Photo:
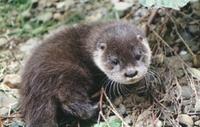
(104, 81)
(125, 90)
(114, 89)
(155, 76)
(111, 89)
(107, 87)
(118, 92)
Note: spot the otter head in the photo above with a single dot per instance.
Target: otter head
(122, 53)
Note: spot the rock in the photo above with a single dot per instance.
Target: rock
(128, 120)
(96, 15)
(45, 16)
(194, 28)
(141, 12)
(142, 119)
(186, 92)
(179, 73)
(118, 101)
(60, 5)
(3, 41)
(68, 4)
(159, 123)
(8, 100)
(186, 57)
(197, 105)
(121, 109)
(12, 80)
(26, 14)
(14, 66)
(58, 16)
(183, 52)
(145, 120)
(173, 62)
(185, 120)
(197, 123)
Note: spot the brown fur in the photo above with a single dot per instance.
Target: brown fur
(60, 75)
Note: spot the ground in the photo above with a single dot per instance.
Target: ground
(173, 81)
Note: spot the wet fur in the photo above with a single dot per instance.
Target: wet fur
(60, 76)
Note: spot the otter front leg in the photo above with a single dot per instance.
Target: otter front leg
(79, 105)
(82, 110)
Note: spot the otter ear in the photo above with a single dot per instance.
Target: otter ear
(101, 46)
(139, 38)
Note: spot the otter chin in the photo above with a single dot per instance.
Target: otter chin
(64, 71)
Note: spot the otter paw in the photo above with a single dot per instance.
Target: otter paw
(82, 110)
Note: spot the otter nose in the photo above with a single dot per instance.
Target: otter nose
(131, 74)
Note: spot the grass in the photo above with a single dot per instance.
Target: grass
(20, 18)
(15, 21)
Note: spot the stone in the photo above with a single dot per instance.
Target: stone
(122, 109)
(197, 105)
(145, 120)
(58, 16)
(118, 101)
(194, 28)
(186, 92)
(8, 100)
(3, 41)
(197, 123)
(185, 120)
(12, 80)
(45, 16)
(128, 120)
(183, 52)
(69, 3)
(60, 5)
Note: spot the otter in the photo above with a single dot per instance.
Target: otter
(67, 68)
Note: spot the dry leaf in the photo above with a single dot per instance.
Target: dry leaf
(122, 6)
(194, 72)
(196, 60)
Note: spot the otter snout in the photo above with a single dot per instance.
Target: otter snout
(130, 73)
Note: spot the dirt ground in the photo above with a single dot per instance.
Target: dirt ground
(172, 91)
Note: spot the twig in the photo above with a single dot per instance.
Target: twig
(177, 32)
(104, 118)
(114, 110)
(165, 43)
(78, 124)
(100, 105)
(152, 16)
(150, 20)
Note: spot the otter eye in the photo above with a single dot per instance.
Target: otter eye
(115, 61)
(138, 57)
(101, 46)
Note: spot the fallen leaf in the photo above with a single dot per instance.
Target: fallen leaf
(196, 60)
(122, 6)
(194, 72)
